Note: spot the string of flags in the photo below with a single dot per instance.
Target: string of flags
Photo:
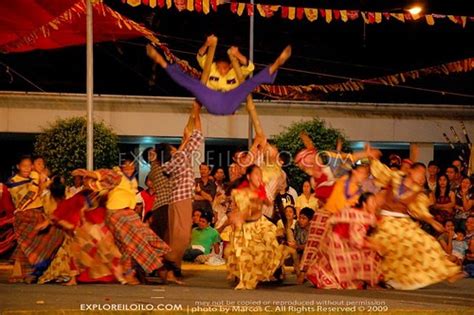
(299, 13)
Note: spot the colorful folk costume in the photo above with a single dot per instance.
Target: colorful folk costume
(135, 240)
(412, 259)
(323, 175)
(253, 254)
(342, 262)
(274, 179)
(344, 195)
(89, 252)
(35, 248)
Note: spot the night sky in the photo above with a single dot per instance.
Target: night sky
(322, 53)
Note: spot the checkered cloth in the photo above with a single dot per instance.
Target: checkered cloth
(161, 185)
(317, 232)
(35, 248)
(342, 262)
(136, 240)
(180, 167)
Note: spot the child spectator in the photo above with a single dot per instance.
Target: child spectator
(196, 217)
(469, 228)
(287, 223)
(203, 239)
(453, 242)
(459, 246)
(469, 260)
(147, 198)
(302, 229)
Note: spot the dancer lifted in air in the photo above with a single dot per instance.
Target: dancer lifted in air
(217, 102)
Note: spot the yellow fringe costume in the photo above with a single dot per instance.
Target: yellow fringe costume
(253, 254)
(412, 259)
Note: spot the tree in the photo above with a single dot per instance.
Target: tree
(289, 143)
(63, 146)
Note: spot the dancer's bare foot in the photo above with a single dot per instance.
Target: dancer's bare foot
(156, 56)
(285, 54)
(300, 279)
(131, 279)
(456, 277)
(14, 279)
(71, 282)
(240, 286)
(170, 277)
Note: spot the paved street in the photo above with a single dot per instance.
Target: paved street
(208, 291)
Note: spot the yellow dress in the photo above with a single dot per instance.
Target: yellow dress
(412, 258)
(253, 254)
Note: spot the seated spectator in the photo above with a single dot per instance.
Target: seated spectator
(306, 199)
(446, 238)
(460, 246)
(406, 165)
(469, 260)
(205, 190)
(460, 166)
(146, 198)
(292, 191)
(286, 198)
(453, 242)
(464, 199)
(196, 217)
(219, 181)
(203, 239)
(288, 221)
(452, 172)
(395, 162)
(302, 229)
(469, 228)
(432, 179)
(75, 188)
(443, 200)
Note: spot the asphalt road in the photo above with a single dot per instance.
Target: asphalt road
(209, 292)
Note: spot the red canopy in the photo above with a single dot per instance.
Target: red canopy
(48, 24)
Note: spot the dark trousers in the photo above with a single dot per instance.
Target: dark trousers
(191, 254)
(159, 223)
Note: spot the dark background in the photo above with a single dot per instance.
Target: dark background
(322, 53)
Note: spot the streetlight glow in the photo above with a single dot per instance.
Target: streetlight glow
(415, 10)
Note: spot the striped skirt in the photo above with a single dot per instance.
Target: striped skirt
(136, 240)
(35, 249)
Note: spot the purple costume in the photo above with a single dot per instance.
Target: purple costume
(219, 103)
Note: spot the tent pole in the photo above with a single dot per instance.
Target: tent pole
(251, 48)
(90, 87)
